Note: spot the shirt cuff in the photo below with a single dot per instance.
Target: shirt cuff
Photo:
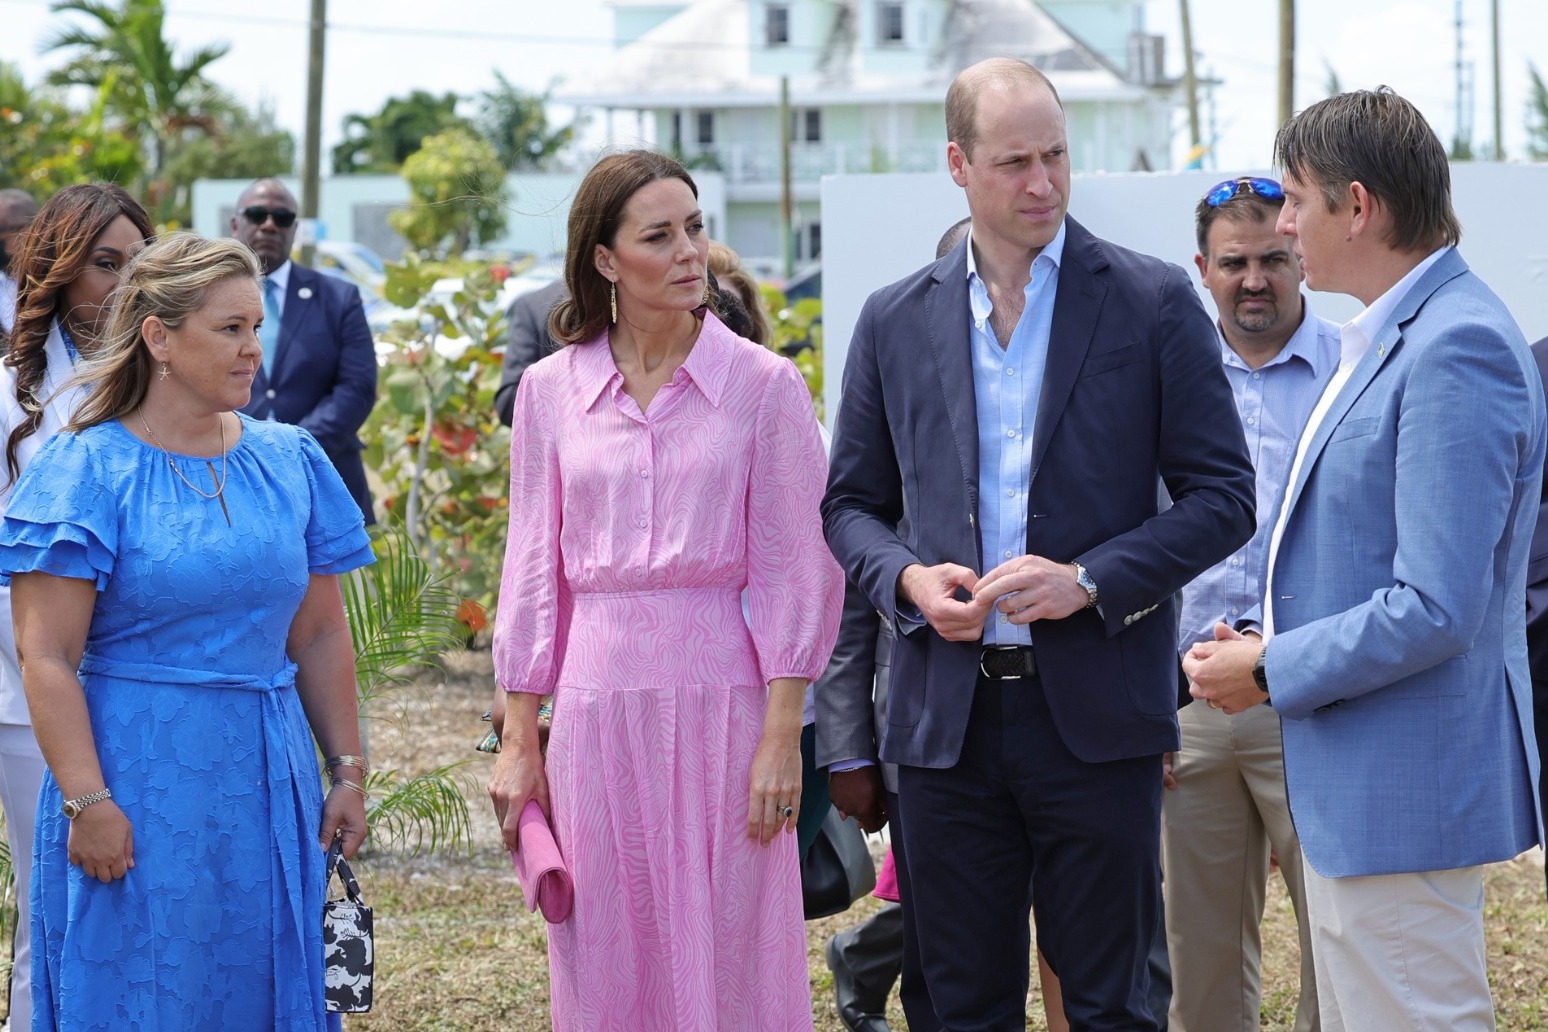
(842, 765)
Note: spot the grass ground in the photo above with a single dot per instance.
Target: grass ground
(457, 951)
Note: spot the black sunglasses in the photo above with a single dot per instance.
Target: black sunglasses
(284, 218)
(1264, 188)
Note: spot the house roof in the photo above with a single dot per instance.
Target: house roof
(704, 52)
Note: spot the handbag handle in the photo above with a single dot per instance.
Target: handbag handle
(337, 862)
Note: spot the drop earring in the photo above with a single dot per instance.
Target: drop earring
(612, 300)
(163, 374)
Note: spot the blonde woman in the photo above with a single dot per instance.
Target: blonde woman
(174, 578)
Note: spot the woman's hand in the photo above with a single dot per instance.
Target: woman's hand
(101, 841)
(344, 813)
(774, 785)
(518, 776)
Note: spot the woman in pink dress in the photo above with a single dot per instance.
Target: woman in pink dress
(660, 465)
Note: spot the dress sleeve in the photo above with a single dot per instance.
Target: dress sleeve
(795, 588)
(533, 613)
(336, 539)
(62, 518)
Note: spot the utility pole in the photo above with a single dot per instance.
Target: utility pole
(1499, 130)
(1286, 60)
(311, 161)
(787, 243)
(1190, 78)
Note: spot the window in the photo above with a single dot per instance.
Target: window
(889, 22)
(704, 124)
(813, 240)
(806, 125)
(776, 24)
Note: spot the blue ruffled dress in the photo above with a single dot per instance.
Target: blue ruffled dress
(200, 733)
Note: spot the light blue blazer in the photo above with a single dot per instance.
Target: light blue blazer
(1399, 663)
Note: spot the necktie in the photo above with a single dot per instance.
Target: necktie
(268, 333)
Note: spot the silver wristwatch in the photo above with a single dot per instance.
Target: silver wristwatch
(72, 807)
(1083, 578)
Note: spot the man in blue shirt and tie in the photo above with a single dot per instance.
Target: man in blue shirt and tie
(1228, 811)
(319, 362)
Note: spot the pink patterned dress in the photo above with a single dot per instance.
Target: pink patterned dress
(632, 537)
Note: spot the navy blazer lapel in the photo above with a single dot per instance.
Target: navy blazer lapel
(1077, 303)
(300, 300)
(946, 320)
(1386, 342)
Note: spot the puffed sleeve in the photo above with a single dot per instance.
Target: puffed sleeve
(63, 517)
(795, 588)
(532, 617)
(336, 539)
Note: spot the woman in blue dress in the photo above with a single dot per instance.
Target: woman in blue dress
(174, 573)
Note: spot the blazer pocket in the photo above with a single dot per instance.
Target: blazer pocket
(1107, 361)
(1362, 427)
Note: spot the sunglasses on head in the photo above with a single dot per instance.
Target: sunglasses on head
(284, 218)
(1264, 188)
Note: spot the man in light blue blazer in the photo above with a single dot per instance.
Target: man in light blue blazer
(1393, 631)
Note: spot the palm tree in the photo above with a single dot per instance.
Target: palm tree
(402, 617)
(158, 95)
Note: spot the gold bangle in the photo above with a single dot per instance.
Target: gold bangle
(358, 762)
(345, 783)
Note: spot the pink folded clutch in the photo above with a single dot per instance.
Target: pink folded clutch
(545, 880)
(887, 881)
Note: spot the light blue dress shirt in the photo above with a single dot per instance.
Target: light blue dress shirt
(1274, 401)
(1007, 383)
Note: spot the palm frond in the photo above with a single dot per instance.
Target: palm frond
(427, 813)
(401, 615)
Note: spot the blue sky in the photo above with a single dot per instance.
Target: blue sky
(378, 48)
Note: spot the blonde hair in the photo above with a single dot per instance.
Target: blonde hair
(726, 264)
(171, 280)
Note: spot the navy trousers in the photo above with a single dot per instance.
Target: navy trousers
(1019, 807)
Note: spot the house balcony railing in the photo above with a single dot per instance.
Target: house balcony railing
(743, 163)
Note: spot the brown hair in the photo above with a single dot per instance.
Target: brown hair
(1381, 141)
(171, 280)
(1243, 206)
(962, 95)
(52, 251)
(594, 219)
(726, 265)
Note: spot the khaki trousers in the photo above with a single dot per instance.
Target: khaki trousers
(1217, 827)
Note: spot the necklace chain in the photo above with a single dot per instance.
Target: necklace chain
(220, 485)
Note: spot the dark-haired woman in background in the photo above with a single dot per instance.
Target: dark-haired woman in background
(66, 265)
(659, 465)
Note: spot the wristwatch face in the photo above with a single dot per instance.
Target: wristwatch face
(71, 808)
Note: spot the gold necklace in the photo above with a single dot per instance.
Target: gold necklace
(220, 485)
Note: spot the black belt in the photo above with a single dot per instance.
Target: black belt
(1007, 662)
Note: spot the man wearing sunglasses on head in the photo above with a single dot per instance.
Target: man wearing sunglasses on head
(319, 363)
(1228, 809)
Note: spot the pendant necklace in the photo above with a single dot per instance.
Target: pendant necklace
(218, 494)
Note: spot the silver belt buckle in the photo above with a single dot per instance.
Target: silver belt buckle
(996, 677)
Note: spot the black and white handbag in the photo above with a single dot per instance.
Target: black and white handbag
(348, 953)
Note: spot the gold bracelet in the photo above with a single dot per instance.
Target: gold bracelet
(334, 782)
(358, 762)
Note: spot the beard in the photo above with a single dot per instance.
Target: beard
(1259, 320)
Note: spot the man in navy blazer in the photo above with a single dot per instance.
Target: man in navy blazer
(1020, 400)
(1393, 626)
(319, 362)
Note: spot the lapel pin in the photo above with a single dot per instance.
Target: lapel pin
(304, 293)
(1381, 350)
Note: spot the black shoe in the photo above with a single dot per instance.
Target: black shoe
(858, 1010)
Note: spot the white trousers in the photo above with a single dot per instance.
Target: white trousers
(1400, 951)
(21, 774)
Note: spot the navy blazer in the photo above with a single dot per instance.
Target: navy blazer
(1133, 394)
(324, 373)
